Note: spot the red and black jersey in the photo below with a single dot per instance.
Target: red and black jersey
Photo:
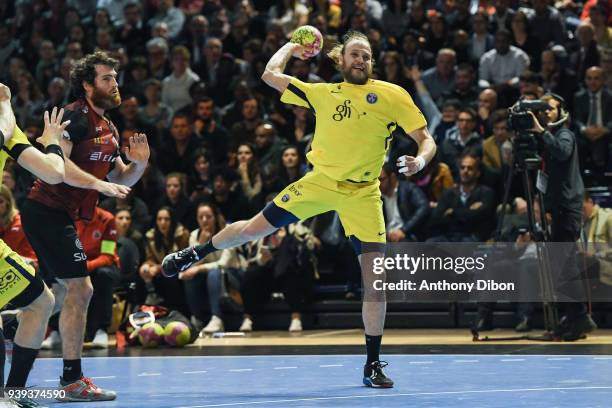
(95, 148)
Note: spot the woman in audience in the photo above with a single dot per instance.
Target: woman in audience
(130, 247)
(166, 237)
(291, 167)
(200, 181)
(250, 175)
(206, 276)
(176, 198)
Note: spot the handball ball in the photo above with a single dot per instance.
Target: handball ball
(177, 334)
(151, 335)
(310, 37)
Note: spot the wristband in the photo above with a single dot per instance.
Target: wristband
(1, 139)
(55, 149)
(421, 162)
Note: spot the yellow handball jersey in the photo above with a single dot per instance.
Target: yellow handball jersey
(18, 138)
(354, 124)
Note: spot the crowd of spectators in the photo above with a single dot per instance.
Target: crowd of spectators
(223, 144)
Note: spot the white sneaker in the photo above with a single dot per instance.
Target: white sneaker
(53, 341)
(296, 325)
(214, 325)
(246, 326)
(100, 339)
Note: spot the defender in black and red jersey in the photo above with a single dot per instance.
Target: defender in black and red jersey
(91, 147)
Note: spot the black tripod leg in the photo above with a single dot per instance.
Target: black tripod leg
(505, 202)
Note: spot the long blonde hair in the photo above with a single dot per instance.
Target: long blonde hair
(11, 211)
(338, 49)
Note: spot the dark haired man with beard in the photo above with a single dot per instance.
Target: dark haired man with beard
(91, 147)
(355, 123)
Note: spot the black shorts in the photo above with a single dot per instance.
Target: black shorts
(53, 237)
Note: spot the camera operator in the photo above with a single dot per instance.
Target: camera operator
(563, 197)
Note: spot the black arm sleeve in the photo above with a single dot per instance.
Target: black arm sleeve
(78, 127)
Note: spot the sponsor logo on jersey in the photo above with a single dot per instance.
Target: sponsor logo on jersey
(285, 198)
(8, 280)
(98, 156)
(371, 97)
(295, 191)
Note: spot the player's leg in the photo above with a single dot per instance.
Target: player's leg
(26, 291)
(235, 234)
(35, 304)
(72, 324)
(362, 219)
(299, 200)
(53, 237)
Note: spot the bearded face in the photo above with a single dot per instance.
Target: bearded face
(104, 93)
(356, 62)
(104, 99)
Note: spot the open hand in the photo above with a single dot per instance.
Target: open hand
(54, 127)
(138, 150)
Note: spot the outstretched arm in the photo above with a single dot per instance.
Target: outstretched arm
(78, 178)
(273, 75)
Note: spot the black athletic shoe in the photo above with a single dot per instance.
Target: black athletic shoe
(572, 329)
(179, 261)
(374, 376)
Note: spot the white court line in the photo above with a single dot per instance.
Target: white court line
(240, 370)
(413, 394)
(316, 355)
(512, 359)
(103, 377)
(195, 372)
(465, 361)
(328, 333)
(55, 379)
(420, 362)
(331, 365)
(284, 368)
(559, 359)
(149, 374)
(602, 358)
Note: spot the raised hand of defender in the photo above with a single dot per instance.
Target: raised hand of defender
(138, 150)
(54, 127)
(409, 165)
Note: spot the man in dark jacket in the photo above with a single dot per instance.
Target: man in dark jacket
(406, 207)
(563, 197)
(465, 213)
(593, 119)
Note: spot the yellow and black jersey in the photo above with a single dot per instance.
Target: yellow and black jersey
(354, 124)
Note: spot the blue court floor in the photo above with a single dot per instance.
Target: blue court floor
(335, 380)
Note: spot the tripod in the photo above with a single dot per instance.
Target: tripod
(525, 163)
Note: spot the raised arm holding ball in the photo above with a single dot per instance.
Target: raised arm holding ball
(354, 127)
